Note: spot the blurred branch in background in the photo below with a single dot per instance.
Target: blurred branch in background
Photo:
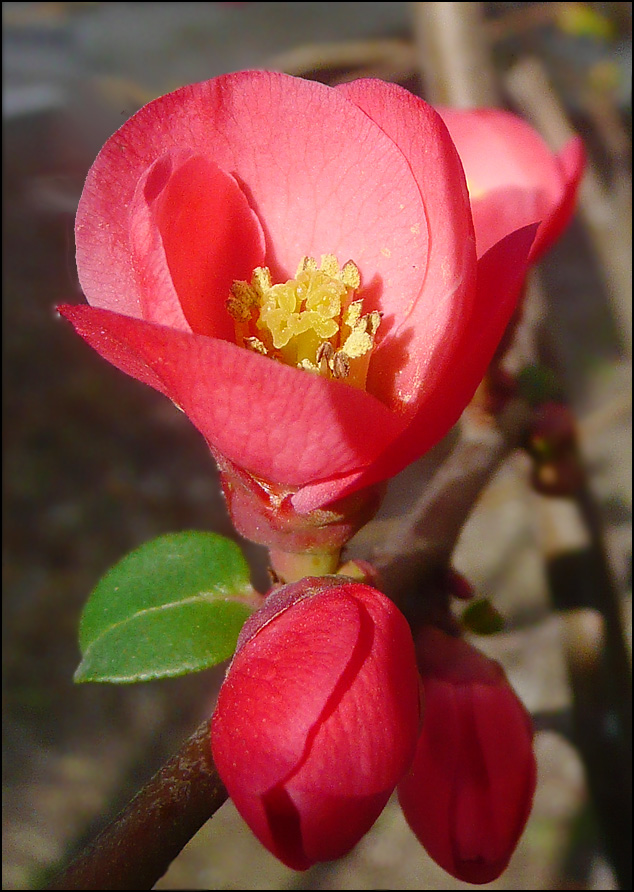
(389, 60)
(454, 55)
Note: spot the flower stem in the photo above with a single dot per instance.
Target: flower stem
(291, 566)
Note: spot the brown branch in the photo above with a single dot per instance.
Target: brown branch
(140, 844)
(138, 847)
(136, 850)
(421, 543)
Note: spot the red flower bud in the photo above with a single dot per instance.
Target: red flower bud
(469, 791)
(318, 716)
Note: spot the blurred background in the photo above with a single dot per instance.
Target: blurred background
(95, 463)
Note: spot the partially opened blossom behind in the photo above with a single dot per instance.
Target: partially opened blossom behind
(514, 178)
(213, 217)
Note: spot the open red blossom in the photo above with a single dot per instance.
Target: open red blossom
(317, 717)
(513, 177)
(257, 170)
(469, 791)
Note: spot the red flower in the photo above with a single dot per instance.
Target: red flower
(318, 716)
(220, 190)
(513, 176)
(469, 791)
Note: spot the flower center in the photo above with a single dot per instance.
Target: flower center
(311, 322)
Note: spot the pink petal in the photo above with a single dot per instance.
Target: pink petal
(454, 660)
(313, 730)
(572, 161)
(335, 822)
(282, 424)
(297, 665)
(192, 234)
(511, 768)
(514, 178)
(502, 210)
(364, 740)
(383, 687)
(421, 343)
(426, 792)
(470, 789)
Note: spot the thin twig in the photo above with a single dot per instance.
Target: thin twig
(420, 544)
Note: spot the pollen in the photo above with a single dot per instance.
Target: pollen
(311, 322)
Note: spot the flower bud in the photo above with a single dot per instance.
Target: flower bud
(469, 791)
(318, 716)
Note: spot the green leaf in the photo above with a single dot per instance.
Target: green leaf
(482, 618)
(173, 606)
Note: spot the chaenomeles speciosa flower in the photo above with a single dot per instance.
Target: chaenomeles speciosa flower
(513, 176)
(318, 716)
(294, 266)
(469, 791)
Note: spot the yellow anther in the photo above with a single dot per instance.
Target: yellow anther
(244, 299)
(261, 279)
(340, 365)
(307, 366)
(306, 263)
(353, 313)
(256, 345)
(350, 275)
(310, 322)
(329, 265)
(358, 343)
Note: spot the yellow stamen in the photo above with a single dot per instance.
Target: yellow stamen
(311, 321)
(256, 345)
